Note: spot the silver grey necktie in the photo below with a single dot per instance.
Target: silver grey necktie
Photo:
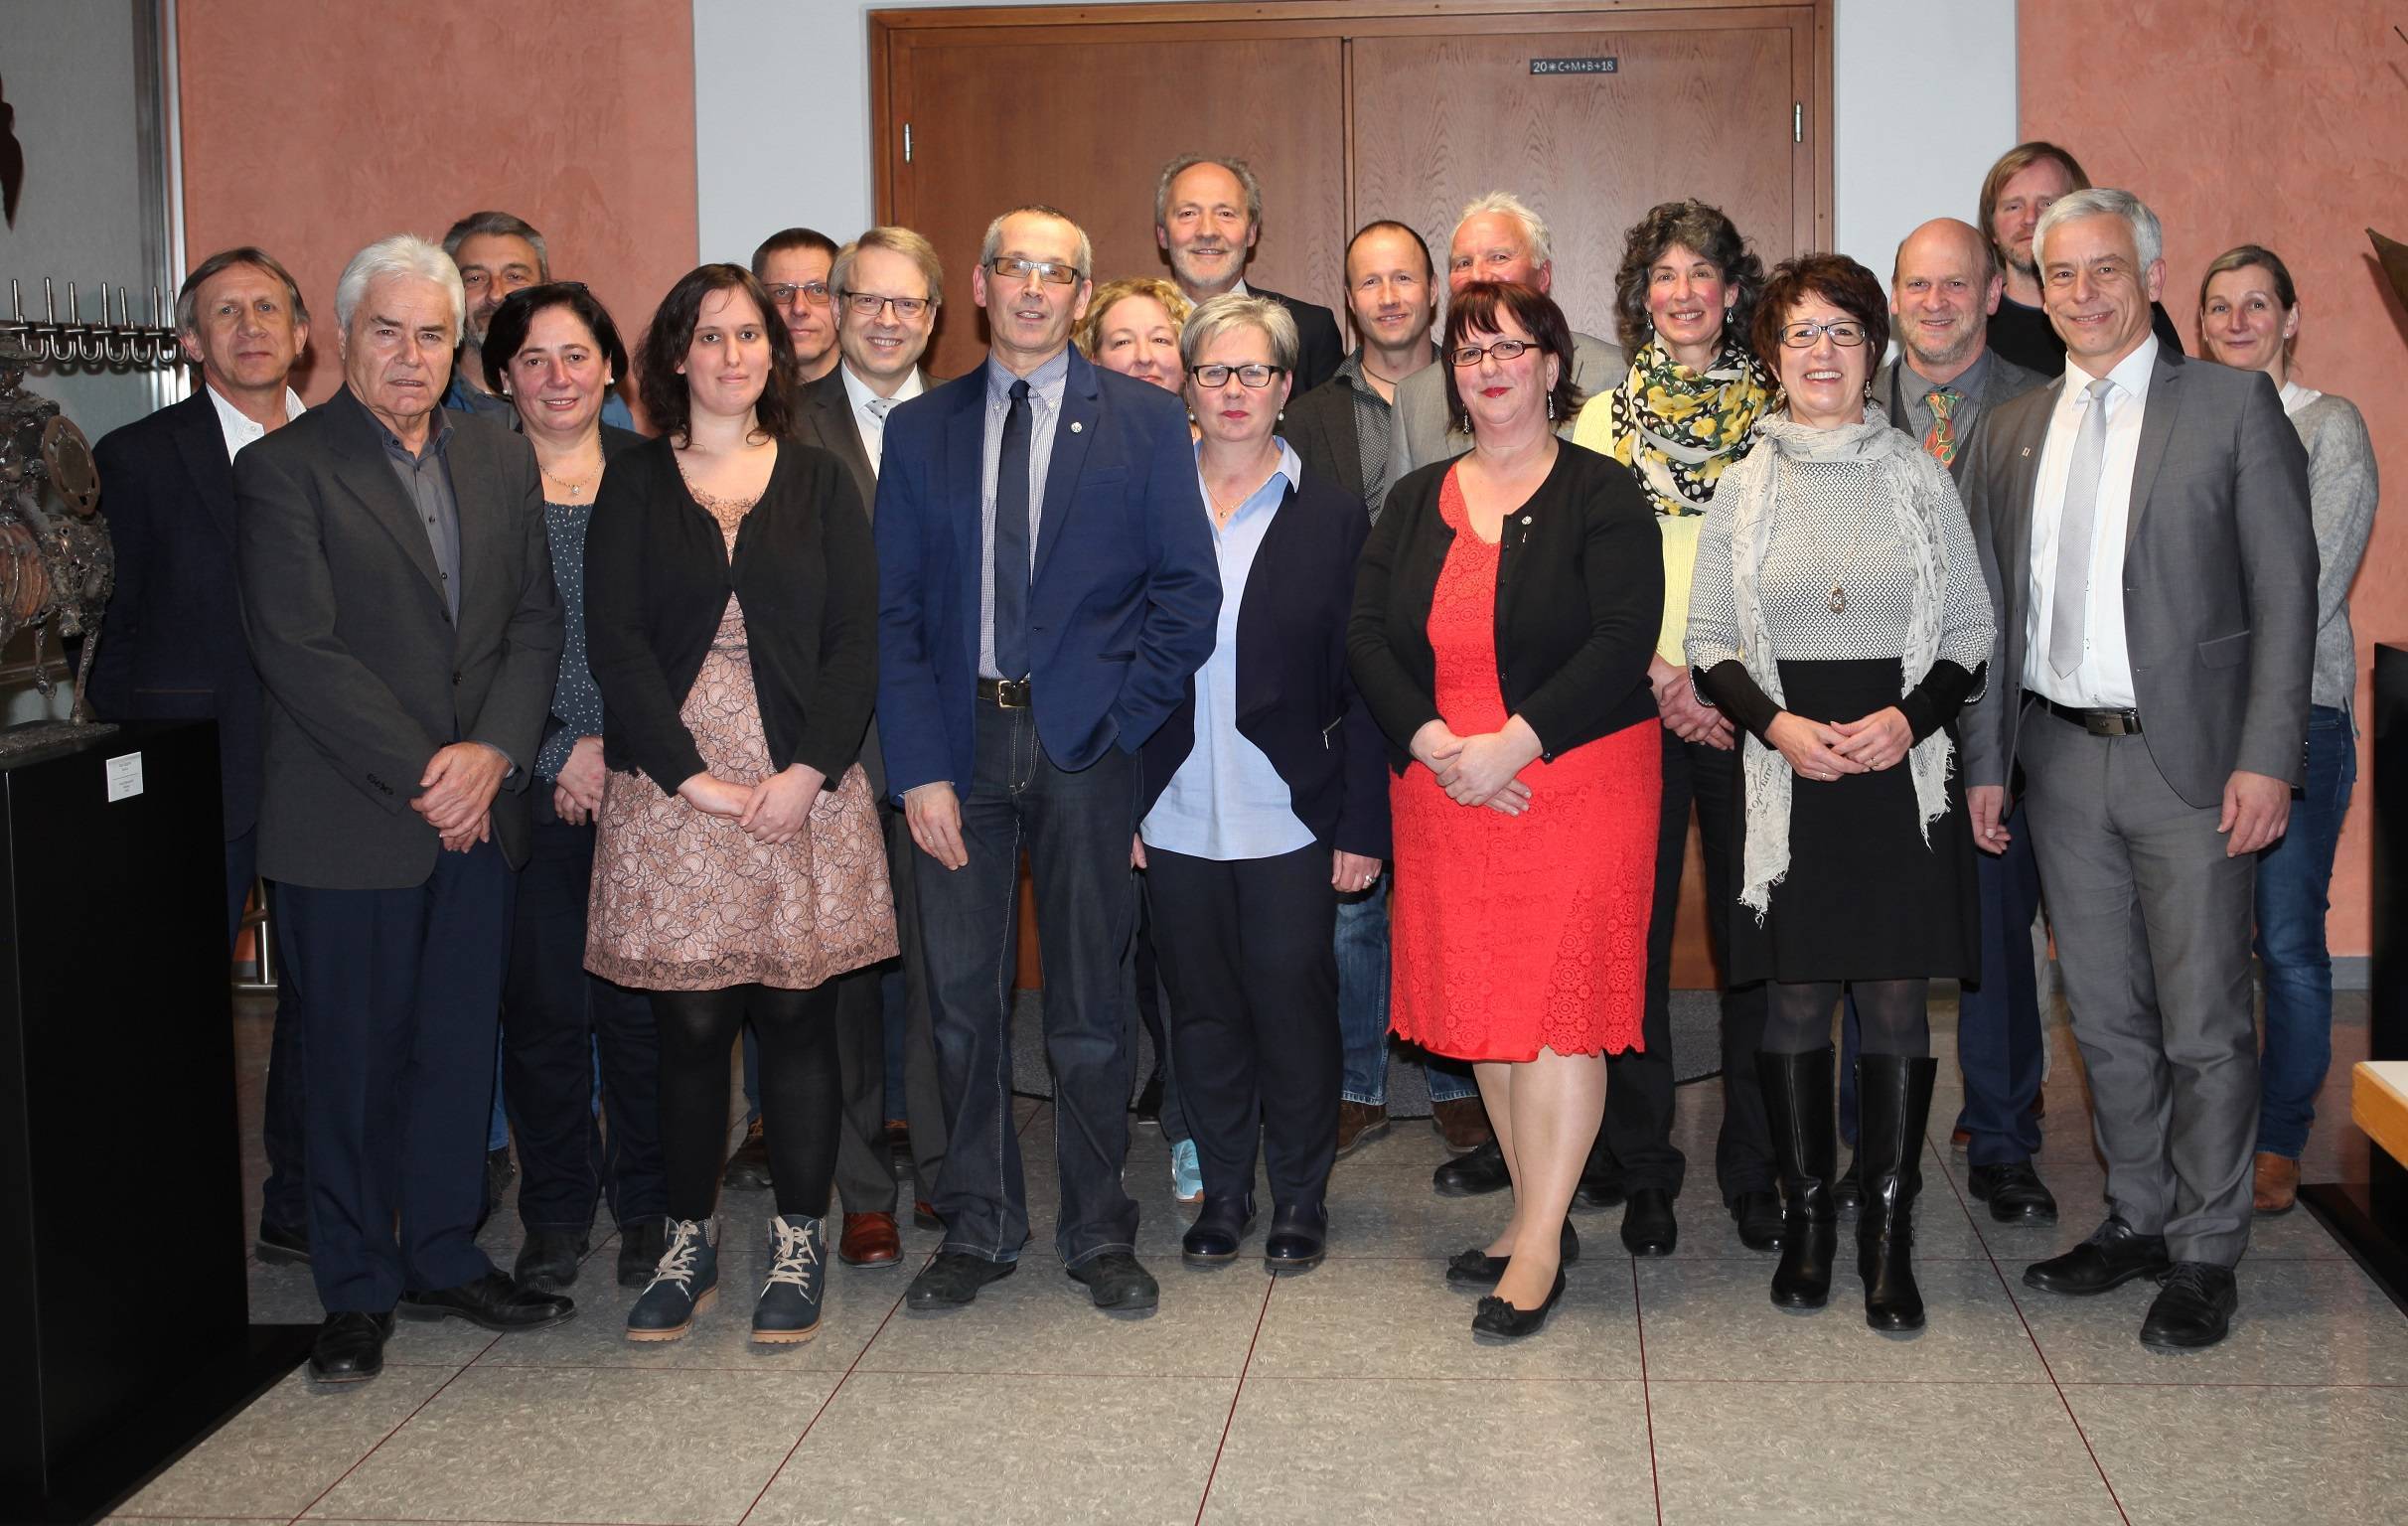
(2074, 526)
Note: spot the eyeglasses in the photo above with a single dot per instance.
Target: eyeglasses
(1252, 378)
(868, 303)
(1846, 332)
(1051, 273)
(812, 292)
(1502, 349)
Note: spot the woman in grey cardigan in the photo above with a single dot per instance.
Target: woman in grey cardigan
(2249, 318)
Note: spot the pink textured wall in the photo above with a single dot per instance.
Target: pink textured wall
(2240, 121)
(310, 130)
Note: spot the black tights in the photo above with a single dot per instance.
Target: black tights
(1895, 1016)
(802, 1102)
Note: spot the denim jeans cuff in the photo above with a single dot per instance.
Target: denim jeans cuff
(1359, 1099)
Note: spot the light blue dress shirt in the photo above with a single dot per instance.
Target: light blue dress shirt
(1225, 801)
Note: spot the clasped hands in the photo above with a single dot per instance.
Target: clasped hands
(457, 793)
(1479, 770)
(1824, 750)
(772, 812)
(1684, 714)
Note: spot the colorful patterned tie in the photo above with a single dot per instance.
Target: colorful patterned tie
(1941, 441)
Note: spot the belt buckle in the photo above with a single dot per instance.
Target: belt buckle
(2110, 723)
(1012, 694)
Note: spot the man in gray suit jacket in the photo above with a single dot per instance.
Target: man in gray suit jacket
(2157, 614)
(1497, 239)
(397, 597)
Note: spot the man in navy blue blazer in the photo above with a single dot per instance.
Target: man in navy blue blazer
(1046, 588)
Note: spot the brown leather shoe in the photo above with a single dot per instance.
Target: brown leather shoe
(1461, 1123)
(748, 1167)
(1359, 1123)
(2277, 1188)
(923, 1215)
(870, 1240)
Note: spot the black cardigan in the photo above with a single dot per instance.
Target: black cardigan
(1579, 602)
(1296, 699)
(658, 576)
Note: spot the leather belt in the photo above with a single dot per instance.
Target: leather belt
(2097, 723)
(1009, 694)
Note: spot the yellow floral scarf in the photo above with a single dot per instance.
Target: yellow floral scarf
(1679, 428)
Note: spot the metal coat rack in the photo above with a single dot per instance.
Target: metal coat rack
(73, 340)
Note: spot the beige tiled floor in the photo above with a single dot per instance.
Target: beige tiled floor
(1666, 1391)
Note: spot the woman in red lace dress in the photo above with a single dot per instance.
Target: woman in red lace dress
(1504, 613)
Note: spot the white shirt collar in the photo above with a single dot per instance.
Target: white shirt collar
(2130, 376)
(859, 393)
(238, 428)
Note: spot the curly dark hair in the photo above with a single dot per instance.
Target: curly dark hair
(505, 330)
(1480, 308)
(1838, 281)
(1693, 226)
(672, 334)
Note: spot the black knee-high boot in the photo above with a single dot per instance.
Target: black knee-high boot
(1798, 1103)
(1894, 1093)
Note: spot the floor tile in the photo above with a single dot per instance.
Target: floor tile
(1736, 1454)
(288, 1448)
(1038, 1322)
(587, 1445)
(1401, 1319)
(2280, 1456)
(1005, 1449)
(1431, 1451)
(2299, 1322)
(1717, 1319)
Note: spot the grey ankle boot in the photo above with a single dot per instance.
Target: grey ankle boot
(684, 1284)
(789, 1310)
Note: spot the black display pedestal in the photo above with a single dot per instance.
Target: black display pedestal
(2371, 1219)
(124, 1305)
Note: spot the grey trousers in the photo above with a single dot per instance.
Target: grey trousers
(2153, 928)
(865, 1177)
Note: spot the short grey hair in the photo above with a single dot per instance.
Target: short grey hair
(399, 254)
(895, 241)
(1506, 204)
(1186, 162)
(994, 235)
(188, 298)
(1219, 315)
(499, 225)
(2148, 235)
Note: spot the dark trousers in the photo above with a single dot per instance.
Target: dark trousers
(284, 1200)
(922, 1088)
(1638, 1132)
(865, 1164)
(1248, 953)
(1076, 828)
(556, 1019)
(405, 989)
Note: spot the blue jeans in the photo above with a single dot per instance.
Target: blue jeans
(1362, 948)
(2293, 880)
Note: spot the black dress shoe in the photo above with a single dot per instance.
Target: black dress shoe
(953, 1279)
(548, 1262)
(1758, 1216)
(349, 1347)
(2013, 1192)
(641, 1244)
(2113, 1256)
(1298, 1238)
(492, 1301)
(2194, 1309)
(1220, 1228)
(286, 1244)
(1496, 1319)
(1472, 1174)
(1648, 1228)
(1600, 1179)
(1848, 1193)
(1476, 1268)
(1149, 1106)
(1116, 1282)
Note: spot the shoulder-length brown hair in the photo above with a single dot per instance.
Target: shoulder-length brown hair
(672, 334)
(1838, 281)
(1479, 308)
(1704, 231)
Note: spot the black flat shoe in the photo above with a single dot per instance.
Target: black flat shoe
(349, 1347)
(1648, 1227)
(1474, 1173)
(282, 1244)
(1476, 1268)
(953, 1279)
(1600, 1181)
(493, 1302)
(641, 1244)
(1758, 1216)
(2015, 1193)
(2113, 1256)
(1116, 1282)
(548, 1260)
(2195, 1309)
(1213, 1240)
(1298, 1238)
(1498, 1319)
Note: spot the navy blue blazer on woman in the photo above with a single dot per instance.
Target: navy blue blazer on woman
(1296, 701)
(1121, 608)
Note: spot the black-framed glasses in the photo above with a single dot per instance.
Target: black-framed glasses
(1052, 273)
(813, 292)
(867, 304)
(1846, 332)
(1252, 378)
(1502, 349)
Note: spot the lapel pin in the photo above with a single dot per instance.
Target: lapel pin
(2027, 450)
(1075, 426)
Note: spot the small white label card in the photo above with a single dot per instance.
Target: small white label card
(124, 777)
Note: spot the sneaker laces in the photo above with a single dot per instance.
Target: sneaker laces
(793, 1257)
(677, 1262)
